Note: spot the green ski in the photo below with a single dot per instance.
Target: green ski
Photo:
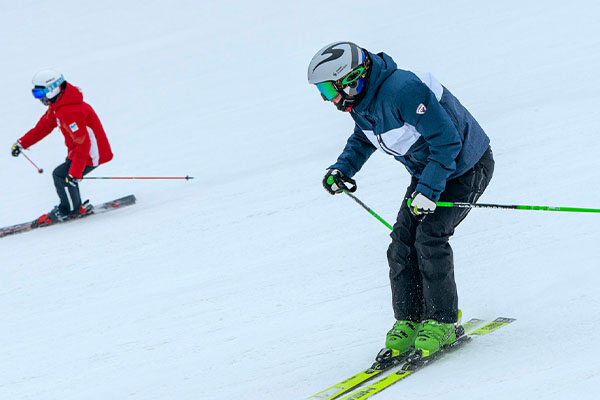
(410, 368)
(385, 361)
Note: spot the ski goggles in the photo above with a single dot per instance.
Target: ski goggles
(330, 89)
(39, 92)
(327, 89)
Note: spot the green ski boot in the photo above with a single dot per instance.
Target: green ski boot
(433, 336)
(402, 336)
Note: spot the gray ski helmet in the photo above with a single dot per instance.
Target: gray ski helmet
(340, 68)
(334, 61)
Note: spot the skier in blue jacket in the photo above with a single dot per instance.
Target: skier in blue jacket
(413, 118)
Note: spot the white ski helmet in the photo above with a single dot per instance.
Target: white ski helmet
(340, 68)
(47, 84)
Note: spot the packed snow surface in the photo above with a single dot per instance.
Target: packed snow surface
(251, 282)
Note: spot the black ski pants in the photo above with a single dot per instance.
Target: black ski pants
(70, 198)
(420, 257)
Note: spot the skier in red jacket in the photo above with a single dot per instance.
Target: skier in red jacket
(85, 139)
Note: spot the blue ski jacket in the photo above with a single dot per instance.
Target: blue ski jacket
(415, 119)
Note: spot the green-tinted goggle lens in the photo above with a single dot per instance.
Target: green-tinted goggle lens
(327, 90)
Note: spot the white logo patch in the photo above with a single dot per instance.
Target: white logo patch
(421, 109)
(74, 127)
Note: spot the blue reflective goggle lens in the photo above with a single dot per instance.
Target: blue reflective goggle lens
(38, 93)
(327, 89)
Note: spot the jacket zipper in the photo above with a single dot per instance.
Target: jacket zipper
(386, 149)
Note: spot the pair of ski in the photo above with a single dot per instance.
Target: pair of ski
(407, 364)
(99, 209)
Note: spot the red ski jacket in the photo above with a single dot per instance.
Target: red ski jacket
(85, 139)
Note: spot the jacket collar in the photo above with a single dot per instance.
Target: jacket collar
(382, 67)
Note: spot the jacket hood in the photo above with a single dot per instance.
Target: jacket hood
(382, 66)
(71, 95)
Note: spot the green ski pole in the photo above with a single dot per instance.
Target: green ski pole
(478, 205)
(373, 213)
(515, 207)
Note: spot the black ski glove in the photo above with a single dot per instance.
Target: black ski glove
(16, 149)
(336, 182)
(72, 181)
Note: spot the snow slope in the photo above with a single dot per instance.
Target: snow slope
(250, 282)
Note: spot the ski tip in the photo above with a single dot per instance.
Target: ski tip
(129, 199)
(506, 320)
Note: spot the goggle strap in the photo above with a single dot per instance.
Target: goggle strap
(56, 84)
(365, 65)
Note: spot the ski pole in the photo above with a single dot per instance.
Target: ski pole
(187, 178)
(515, 207)
(373, 213)
(479, 205)
(39, 170)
